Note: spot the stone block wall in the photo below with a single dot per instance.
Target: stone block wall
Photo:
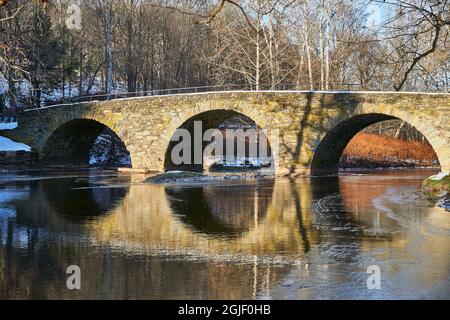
(297, 122)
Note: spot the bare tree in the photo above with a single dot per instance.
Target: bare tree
(416, 30)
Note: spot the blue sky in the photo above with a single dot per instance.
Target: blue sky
(378, 14)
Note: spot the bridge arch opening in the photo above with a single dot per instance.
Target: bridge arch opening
(329, 153)
(254, 142)
(86, 142)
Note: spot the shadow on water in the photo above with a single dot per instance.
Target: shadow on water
(221, 210)
(300, 216)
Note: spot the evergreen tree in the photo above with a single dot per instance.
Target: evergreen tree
(44, 52)
(2, 103)
(69, 62)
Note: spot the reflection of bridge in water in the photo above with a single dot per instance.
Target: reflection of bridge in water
(267, 219)
(243, 218)
(196, 220)
(144, 236)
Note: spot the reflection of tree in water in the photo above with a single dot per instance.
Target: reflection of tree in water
(79, 198)
(239, 205)
(226, 210)
(303, 229)
(129, 276)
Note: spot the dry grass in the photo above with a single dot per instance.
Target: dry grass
(370, 150)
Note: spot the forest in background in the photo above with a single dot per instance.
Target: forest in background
(145, 45)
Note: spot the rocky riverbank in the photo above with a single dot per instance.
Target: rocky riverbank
(438, 189)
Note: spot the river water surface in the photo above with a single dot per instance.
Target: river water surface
(306, 238)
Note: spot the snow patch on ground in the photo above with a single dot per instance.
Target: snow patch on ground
(440, 176)
(70, 91)
(3, 85)
(9, 145)
(8, 126)
(105, 150)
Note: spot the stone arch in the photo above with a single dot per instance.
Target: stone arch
(341, 130)
(71, 141)
(211, 115)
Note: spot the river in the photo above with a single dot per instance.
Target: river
(304, 238)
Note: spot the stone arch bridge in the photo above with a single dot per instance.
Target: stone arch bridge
(312, 128)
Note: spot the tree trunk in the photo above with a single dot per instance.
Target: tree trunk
(109, 51)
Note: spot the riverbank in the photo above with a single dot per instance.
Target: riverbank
(438, 183)
(367, 150)
(47, 167)
(437, 188)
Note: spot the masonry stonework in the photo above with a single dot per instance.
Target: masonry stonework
(313, 127)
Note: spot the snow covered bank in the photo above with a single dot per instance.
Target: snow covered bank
(9, 145)
(438, 183)
(438, 188)
(109, 149)
(8, 125)
(439, 176)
